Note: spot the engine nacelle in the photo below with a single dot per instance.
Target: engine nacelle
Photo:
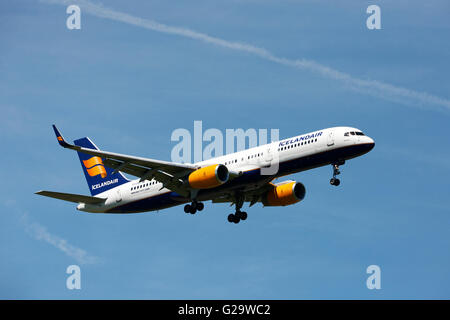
(209, 177)
(285, 194)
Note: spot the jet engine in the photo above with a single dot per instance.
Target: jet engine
(209, 177)
(284, 194)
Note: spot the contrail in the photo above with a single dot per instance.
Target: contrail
(372, 87)
(39, 232)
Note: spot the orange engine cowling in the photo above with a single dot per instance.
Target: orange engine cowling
(208, 177)
(285, 194)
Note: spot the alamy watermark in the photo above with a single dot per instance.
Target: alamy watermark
(374, 280)
(74, 20)
(201, 145)
(74, 280)
(374, 20)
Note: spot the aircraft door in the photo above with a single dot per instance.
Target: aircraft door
(330, 139)
(118, 195)
(270, 161)
(268, 156)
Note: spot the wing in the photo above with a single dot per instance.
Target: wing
(78, 198)
(168, 173)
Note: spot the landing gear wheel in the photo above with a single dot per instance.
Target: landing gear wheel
(238, 215)
(194, 207)
(242, 215)
(232, 218)
(335, 182)
(193, 210)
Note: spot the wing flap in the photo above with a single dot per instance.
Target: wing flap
(168, 180)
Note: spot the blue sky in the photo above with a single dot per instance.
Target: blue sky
(128, 87)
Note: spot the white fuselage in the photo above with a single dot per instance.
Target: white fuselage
(277, 159)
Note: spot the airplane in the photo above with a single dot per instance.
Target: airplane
(237, 178)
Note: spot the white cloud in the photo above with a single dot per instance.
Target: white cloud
(372, 87)
(39, 232)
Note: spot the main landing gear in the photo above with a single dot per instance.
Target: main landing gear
(238, 215)
(193, 207)
(335, 181)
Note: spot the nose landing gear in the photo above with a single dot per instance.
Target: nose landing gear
(335, 181)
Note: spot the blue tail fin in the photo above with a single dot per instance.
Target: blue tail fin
(99, 177)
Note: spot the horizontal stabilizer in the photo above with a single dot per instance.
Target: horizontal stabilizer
(77, 198)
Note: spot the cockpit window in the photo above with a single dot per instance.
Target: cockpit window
(353, 133)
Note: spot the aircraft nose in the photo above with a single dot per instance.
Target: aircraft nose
(371, 143)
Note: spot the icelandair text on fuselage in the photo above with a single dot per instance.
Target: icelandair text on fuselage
(301, 138)
(106, 183)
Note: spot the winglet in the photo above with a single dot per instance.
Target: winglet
(60, 138)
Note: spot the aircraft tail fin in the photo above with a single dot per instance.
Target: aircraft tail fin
(99, 177)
